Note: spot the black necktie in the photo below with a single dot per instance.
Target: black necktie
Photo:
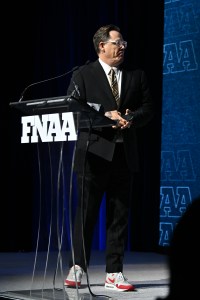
(114, 85)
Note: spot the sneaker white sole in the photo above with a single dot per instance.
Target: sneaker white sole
(114, 288)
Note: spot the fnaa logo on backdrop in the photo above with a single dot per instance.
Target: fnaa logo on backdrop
(180, 146)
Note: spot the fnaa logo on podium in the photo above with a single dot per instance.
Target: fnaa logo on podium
(48, 128)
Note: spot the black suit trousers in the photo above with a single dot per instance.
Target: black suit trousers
(114, 179)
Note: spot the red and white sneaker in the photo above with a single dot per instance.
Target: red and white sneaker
(117, 282)
(74, 277)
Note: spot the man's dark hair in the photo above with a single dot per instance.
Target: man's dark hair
(103, 34)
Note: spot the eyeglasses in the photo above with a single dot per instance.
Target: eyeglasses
(118, 43)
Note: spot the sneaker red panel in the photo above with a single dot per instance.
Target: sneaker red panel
(74, 277)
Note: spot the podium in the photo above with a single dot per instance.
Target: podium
(56, 111)
(86, 110)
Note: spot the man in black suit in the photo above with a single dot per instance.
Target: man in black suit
(107, 157)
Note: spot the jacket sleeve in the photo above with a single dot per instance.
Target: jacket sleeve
(144, 110)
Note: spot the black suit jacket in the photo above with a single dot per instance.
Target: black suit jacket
(92, 86)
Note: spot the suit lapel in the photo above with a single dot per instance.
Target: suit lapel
(100, 76)
(125, 83)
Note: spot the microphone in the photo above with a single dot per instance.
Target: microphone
(76, 88)
(45, 80)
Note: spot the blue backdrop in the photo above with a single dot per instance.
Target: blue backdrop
(180, 143)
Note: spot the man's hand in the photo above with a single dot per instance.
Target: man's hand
(116, 115)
